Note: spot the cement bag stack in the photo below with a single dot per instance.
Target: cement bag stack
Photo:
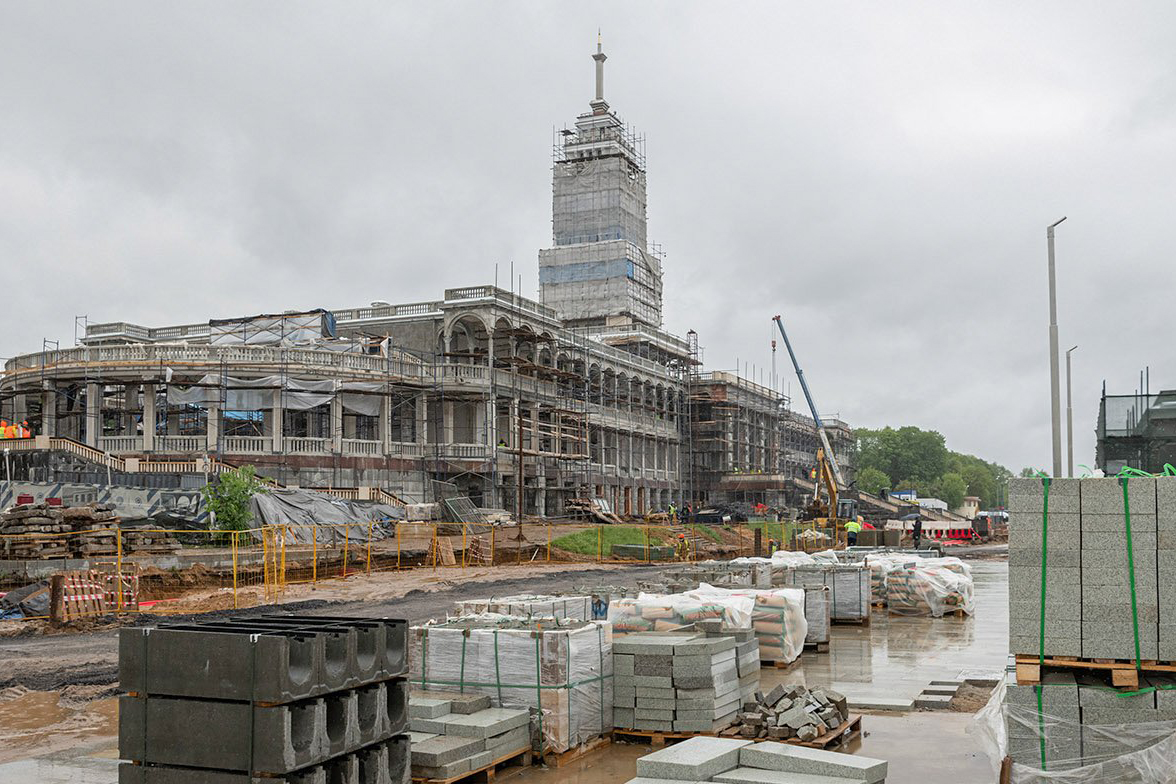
(783, 560)
(275, 698)
(650, 612)
(916, 589)
(777, 617)
(578, 608)
(849, 588)
(561, 670)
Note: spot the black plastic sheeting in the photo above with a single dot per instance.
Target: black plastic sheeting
(302, 511)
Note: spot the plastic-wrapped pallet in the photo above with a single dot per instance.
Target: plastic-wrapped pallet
(849, 588)
(783, 560)
(650, 612)
(578, 608)
(561, 668)
(816, 614)
(881, 565)
(915, 589)
(777, 616)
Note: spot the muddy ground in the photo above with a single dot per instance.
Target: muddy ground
(38, 658)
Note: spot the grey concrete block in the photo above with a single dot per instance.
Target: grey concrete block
(141, 774)
(1027, 494)
(758, 776)
(799, 759)
(486, 723)
(623, 664)
(695, 759)
(1115, 523)
(901, 704)
(654, 681)
(656, 692)
(652, 713)
(705, 645)
(654, 703)
(1105, 495)
(933, 701)
(645, 665)
(1069, 611)
(651, 643)
(702, 725)
(646, 780)
(509, 742)
(425, 708)
(1055, 558)
(443, 749)
(653, 725)
(623, 717)
(624, 702)
(1054, 646)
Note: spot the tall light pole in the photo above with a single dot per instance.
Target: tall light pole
(1054, 385)
(1069, 418)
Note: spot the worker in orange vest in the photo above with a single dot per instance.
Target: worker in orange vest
(5, 430)
(24, 430)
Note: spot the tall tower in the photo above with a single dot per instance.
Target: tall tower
(600, 270)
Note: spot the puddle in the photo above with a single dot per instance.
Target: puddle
(35, 723)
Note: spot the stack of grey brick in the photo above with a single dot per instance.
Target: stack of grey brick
(849, 587)
(736, 761)
(1088, 592)
(683, 682)
(280, 697)
(454, 734)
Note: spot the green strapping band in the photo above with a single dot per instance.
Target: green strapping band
(1041, 632)
(461, 672)
(600, 654)
(424, 655)
(539, 689)
(1131, 570)
(1040, 726)
(497, 669)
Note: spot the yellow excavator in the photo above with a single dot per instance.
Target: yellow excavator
(828, 508)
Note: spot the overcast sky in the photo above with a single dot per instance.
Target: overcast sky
(880, 174)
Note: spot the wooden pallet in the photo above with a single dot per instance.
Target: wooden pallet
(851, 621)
(958, 612)
(832, 739)
(558, 760)
(816, 647)
(1124, 673)
(778, 665)
(503, 767)
(656, 738)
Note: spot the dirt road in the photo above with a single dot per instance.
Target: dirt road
(50, 662)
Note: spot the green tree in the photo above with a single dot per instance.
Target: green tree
(228, 498)
(1028, 473)
(905, 453)
(951, 488)
(871, 480)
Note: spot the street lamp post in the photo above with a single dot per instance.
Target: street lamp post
(1069, 418)
(1054, 382)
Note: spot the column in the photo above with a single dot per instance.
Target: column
(20, 408)
(422, 419)
(385, 423)
(93, 413)
(336, 424)
(130, 403)
(447, 422)
(277, 417)
(148, 417)
(48, 410)
(490, 416)
(213, 431)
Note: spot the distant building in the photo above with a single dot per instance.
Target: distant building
(1137, 431)
(969, 508)
(932, 503)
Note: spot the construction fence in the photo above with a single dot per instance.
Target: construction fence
(154, 570)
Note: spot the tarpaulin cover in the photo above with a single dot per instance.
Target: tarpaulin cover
(560, 669)
(300, 509)
(1050, 748)
(777, 617)
(651, 612)
(918, 589)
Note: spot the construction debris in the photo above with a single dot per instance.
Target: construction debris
(790, 712)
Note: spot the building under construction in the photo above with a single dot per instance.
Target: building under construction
(581, 394)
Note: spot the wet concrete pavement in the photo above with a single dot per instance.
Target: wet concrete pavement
(892, 658)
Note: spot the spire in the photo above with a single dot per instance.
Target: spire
(598, 104)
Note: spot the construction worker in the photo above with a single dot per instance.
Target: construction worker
(683, 547)
(673, 514)
(6, 430)
(24, 430)
(917, 532)
(851, 532)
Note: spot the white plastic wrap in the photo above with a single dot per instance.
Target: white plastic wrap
(777, 618)
(880, 567)
(526, 606)
(827, 557)
(1047, 748)
(816, 614)
(917, 589)
(650, 612)
(561, 668)
(849, 588)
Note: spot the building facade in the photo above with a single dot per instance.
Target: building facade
(507, 399)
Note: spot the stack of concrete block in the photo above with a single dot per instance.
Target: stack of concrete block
(1088, 591)
(531, 605)
(849, 587)
(452, 734)
(816, 614)
(683, 682)
(284, 698)
(560, 668)
(1073, 720)
(791, 712)
(737, 761)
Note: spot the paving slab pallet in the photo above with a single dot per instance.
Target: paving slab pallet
(509, 765)
(1124, 672)
(656, 738)
(558, 760)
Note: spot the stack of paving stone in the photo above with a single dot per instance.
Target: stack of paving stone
(790, 712)
(737, 761)
(33, 531)
(560, 668)
(849, 587)
(454, 733)
(531, 605)
(278, 698)
(1088, 576)
(816, 614)
(1081, 722)
(683, 682)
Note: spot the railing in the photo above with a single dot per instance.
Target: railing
(307, 446)
(458, 372)
(501, 295)
(180, 444)
(355, 446)
(406, 449)
(465, 450)
(120, 443)
(248, 445)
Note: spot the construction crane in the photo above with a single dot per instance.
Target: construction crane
(828, 472)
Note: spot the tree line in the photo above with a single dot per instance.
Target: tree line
(908, 458)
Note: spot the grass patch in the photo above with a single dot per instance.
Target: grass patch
(707, 532)
(587, 542)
